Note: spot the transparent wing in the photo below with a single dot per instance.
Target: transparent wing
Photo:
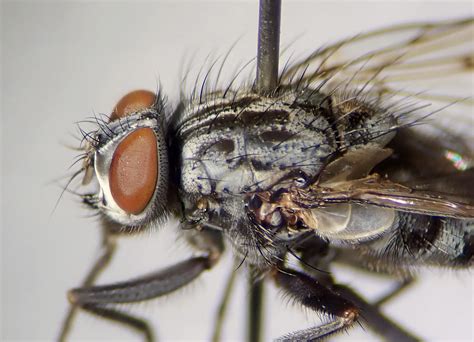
(348, 201)
(409, 52)
(350, 179)
(422, 64)
(375, 190)
(356, 209)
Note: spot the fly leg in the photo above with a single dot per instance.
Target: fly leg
(370, 312)
(109, 247)
(400, 287)
(255, 307)
(135, 323)
(351, 259)
(222, 309)
(375, 319)
(318, 297)
(102, 300)
(99, 300)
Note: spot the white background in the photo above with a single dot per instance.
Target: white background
(63, 61)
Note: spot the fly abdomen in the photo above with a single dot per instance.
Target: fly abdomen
(431, 240)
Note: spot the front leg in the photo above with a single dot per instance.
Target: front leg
(144, 288)
(102, 300)
(99, 300)
(109, 237)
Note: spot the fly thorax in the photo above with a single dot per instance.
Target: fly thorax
(232, 147)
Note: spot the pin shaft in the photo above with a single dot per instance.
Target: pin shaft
(268, 45)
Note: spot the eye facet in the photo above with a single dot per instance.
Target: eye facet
(134, 171)
(133, 102)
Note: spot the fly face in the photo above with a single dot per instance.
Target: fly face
(266, 172)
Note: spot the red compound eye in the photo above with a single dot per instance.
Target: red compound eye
(133, 102)
(134, 171)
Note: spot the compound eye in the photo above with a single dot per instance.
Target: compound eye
(133, 171)
(133, 102)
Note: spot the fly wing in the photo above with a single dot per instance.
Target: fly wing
(415, 66)
(348, 201)
(456, 185)
(407, 52)
(418, 157)
(351, 211)
(377, 191)
(362, 209)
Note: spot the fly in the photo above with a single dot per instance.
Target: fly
(320, 163)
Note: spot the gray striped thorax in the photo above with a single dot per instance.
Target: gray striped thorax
(250, 142)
